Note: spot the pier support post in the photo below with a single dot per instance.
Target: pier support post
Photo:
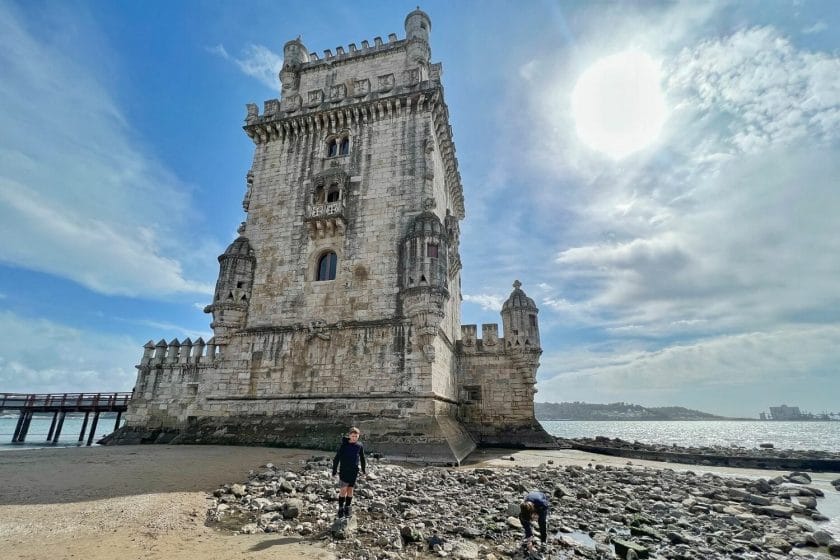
(25, 428)
(84, 427)
(52, 426)
(93, 427)
(18, 426)
(58, 428)
(117, 423)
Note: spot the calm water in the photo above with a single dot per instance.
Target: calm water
(823, 436)
(40, 426)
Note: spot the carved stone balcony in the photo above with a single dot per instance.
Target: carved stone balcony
(326, 220)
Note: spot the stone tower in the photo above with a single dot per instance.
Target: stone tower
(339, 303)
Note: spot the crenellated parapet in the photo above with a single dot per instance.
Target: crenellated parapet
(183, 352)
(489, 341)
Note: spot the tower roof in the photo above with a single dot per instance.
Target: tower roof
(518, 299)
(426, 224)
(240, 247)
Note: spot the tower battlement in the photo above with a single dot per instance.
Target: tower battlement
(339, 302)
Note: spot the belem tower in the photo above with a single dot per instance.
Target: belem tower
(340, 302)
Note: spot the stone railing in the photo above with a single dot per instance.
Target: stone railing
(326, 210)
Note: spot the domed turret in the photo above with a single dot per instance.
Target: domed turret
(417, 29)
(294, 54)
(424, 253)
(519, 317)
(233, 288)
(424, 279)
(418, 25)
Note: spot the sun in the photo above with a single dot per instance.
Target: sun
(618, 105)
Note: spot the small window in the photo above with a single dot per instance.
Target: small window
(533, 319)
(344, 148)
(326, 267)
(333, 196)
(473, 393)
(240, 284)
(332, 148)
(431, 250)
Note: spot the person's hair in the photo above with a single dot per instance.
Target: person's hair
(354, 430)
(526, 509)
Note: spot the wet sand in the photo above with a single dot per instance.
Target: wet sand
(132, 502)
(150, 501)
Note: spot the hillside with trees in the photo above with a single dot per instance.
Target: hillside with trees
(617, 411)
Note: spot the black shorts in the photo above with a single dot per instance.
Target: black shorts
(348, 478)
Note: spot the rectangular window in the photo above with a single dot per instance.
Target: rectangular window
(472, 393)
(533, 319)
(431, 250)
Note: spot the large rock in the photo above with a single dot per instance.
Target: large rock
(623, 547)
(343, 528)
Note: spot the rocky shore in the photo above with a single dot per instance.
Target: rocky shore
(600, 512)
(765, 457)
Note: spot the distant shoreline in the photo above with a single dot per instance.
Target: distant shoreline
(681, 420)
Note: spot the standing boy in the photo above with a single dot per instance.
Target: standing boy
(346, 463)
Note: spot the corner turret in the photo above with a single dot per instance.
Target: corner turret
(294, 55)
(519, 317)
(233, 289)
(418, 25)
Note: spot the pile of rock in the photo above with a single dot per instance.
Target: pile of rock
(766, 450)
(600, 512)
(765, 457)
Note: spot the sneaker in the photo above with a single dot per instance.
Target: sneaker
(348, 511)
(341, 512)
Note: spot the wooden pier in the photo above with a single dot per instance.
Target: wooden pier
(59, 405)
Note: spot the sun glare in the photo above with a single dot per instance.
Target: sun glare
(618, 104)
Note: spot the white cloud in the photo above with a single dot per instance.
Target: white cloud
(756, 367)
(42, 356)
(256, 61)
(772, 92)
(488, 302)
(818, 27)
(79, 196)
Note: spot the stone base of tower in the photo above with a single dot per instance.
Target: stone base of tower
(528, 435)
(431, 439)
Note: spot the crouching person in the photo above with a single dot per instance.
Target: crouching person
(535, 505)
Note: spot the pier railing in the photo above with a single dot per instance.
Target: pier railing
(59, 404)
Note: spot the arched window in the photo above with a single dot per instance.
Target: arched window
(326, 267)
(332, 148)
(333, 195)
(344, 148)
(318, 197)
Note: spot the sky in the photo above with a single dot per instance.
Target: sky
(699, 270)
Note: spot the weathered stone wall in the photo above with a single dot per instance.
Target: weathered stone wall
(356, 158)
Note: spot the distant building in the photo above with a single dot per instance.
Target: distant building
(785, 412)
(762, 416)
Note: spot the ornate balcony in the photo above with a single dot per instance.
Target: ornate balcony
(326, 220)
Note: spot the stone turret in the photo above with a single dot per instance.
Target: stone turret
(519, 318)
(418, 25)
(233, 289)
(424, 278)
(294, 55)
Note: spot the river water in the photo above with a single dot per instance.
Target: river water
(40, 427)
(824, 436)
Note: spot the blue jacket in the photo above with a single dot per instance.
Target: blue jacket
(348, 457)
(540, 501)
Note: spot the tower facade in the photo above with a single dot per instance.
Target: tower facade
(340, 301)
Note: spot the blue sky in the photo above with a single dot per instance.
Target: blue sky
(699, 271)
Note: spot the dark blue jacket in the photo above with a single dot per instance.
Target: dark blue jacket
(540, 502)
(348, 457)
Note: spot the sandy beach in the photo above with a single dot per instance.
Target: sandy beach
(150, 501)
(131, 502)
